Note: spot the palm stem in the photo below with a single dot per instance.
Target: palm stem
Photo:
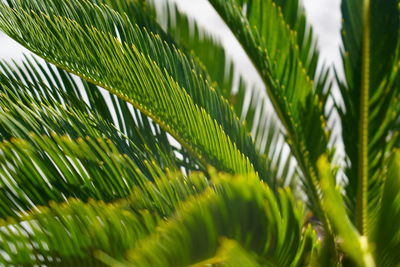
(362, 192)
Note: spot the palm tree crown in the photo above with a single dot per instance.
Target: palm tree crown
(129, 145)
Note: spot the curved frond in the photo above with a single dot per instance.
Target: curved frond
(102, 115)
(256, 113)
(137, 79)
(268, 227)
(42, 168)
(73, 233)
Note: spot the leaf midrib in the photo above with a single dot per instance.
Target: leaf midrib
(362, 191)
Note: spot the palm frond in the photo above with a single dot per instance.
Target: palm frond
(91, 229)
(165, 19)
(386, 234)
(136, 142)
(38, 150)
(35, 108)
(72, 233)
(249, 103)
(205, 47)
(273, 46)
(382, 80)
(55, 88)
(210, 54)
(163, 100)
(42, 168)
(208, 217)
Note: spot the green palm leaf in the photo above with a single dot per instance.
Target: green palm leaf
(101, 225)
(54, 168)
(273, 47)
(256, 115)
(72, 233)
(386, 234)
(381, 76)
(57, 89)
(137, 143)
(133, 69)
(207, 217)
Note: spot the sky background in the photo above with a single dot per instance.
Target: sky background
(324, 15)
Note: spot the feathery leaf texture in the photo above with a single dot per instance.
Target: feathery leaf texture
(58, 92)
(283, 242)
(139, 80)
(384, 94)
(272, 45)
(386, 234)
(135, 142)
(256, 115)
(208, 216)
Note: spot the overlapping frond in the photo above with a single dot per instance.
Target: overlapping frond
(207, 52)
(96, 168)
(91, 227)
(54, 169)
(125, 71)
(42, 168)
(267, 228)
(285, 66)
(40, 150)
(92, 177)
(72, 234)
(249, 103)
(55, 89)
(165, 19)
(205, 47)
(199, 216)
